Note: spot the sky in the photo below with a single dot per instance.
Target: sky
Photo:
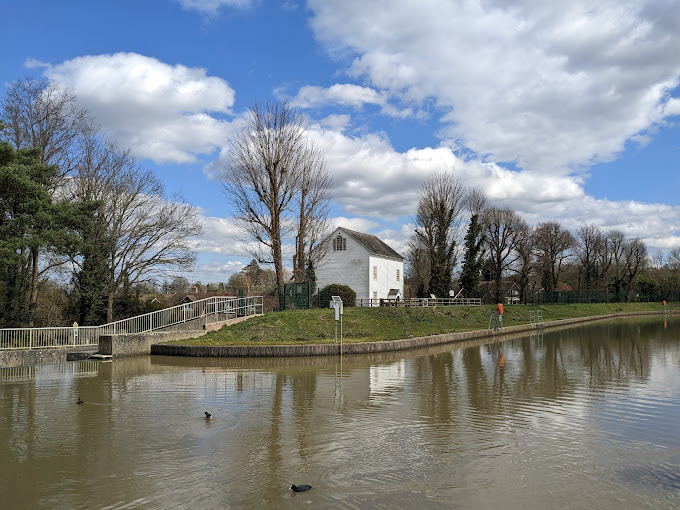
(566, 111)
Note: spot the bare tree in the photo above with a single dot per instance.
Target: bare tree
(589, 242)
(417, 267)
(525, 247)
(636, 261)
(674, 259)
(618, 269)
(502, 230)
(553, 246)
(253, 279)
(313, 202)
(41, 114)
(136, 234)
(438, 225)
(476, 201)
(268, 158)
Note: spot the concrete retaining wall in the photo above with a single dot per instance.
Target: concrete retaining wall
(257, 351)
(27, 357)
(138, 344)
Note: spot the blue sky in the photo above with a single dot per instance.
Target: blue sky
(560, 110)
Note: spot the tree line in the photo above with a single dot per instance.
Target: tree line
(84, 222)
(78, 209)
(500, 248)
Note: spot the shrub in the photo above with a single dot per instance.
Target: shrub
(348, 296)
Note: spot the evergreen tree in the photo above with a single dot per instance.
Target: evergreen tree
(310, 274)
(474, 258)
(92, 281)
(30, 222)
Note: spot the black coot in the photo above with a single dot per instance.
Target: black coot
(300, 488)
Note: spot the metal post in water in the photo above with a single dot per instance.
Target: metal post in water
(340, 334)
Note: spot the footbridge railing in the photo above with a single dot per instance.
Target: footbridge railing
(201, 312)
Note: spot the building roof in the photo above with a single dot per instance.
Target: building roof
(374, 245)
(196, 296)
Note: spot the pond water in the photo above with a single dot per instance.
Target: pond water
(583, 417)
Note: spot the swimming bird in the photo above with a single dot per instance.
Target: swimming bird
(208, 416)
(80, 401)
(300, 488)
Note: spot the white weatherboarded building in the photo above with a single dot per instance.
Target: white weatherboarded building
(362, 262)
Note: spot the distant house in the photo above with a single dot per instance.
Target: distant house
(184, 298)
(363, 262)
(197, 296)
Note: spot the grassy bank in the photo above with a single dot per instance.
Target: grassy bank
(381, 324)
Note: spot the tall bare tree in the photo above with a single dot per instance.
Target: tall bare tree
(589, 242)
(438, 227)
(525, 247)
(628, 258)
(313, 203)
(553, 246)
(618, 269)
(476, 201)
(417, 267)
(265, 173)
(502, 230)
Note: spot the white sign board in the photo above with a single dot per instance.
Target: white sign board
(336, 304)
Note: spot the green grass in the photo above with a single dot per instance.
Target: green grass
(382, 324)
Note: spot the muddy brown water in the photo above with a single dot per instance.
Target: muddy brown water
(584, 417)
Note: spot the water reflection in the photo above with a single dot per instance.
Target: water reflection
(585, 416)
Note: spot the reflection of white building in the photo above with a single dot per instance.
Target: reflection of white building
(386, 379)
(362, 262)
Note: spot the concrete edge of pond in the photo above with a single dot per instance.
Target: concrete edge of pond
(270, 351)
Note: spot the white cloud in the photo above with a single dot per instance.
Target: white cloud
(212, 6)
(348, 95)
(374, 184)
(214, 272)
(221, 236)
(356, 224)
(672, 107)
(33, 63)
(554, 86)
(162, 112)
(344, 94)
(335, 122)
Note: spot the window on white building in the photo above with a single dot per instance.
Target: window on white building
(375, 272)
(397, 275)
(375, 294)
(340, 243)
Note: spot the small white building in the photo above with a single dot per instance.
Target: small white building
(362, 262)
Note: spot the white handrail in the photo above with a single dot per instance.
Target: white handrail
(418, 302)
(203, 311)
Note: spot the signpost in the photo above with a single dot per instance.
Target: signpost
(336, 304)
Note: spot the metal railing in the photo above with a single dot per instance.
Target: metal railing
(32, 338)
(418, 302)
(202, 312)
